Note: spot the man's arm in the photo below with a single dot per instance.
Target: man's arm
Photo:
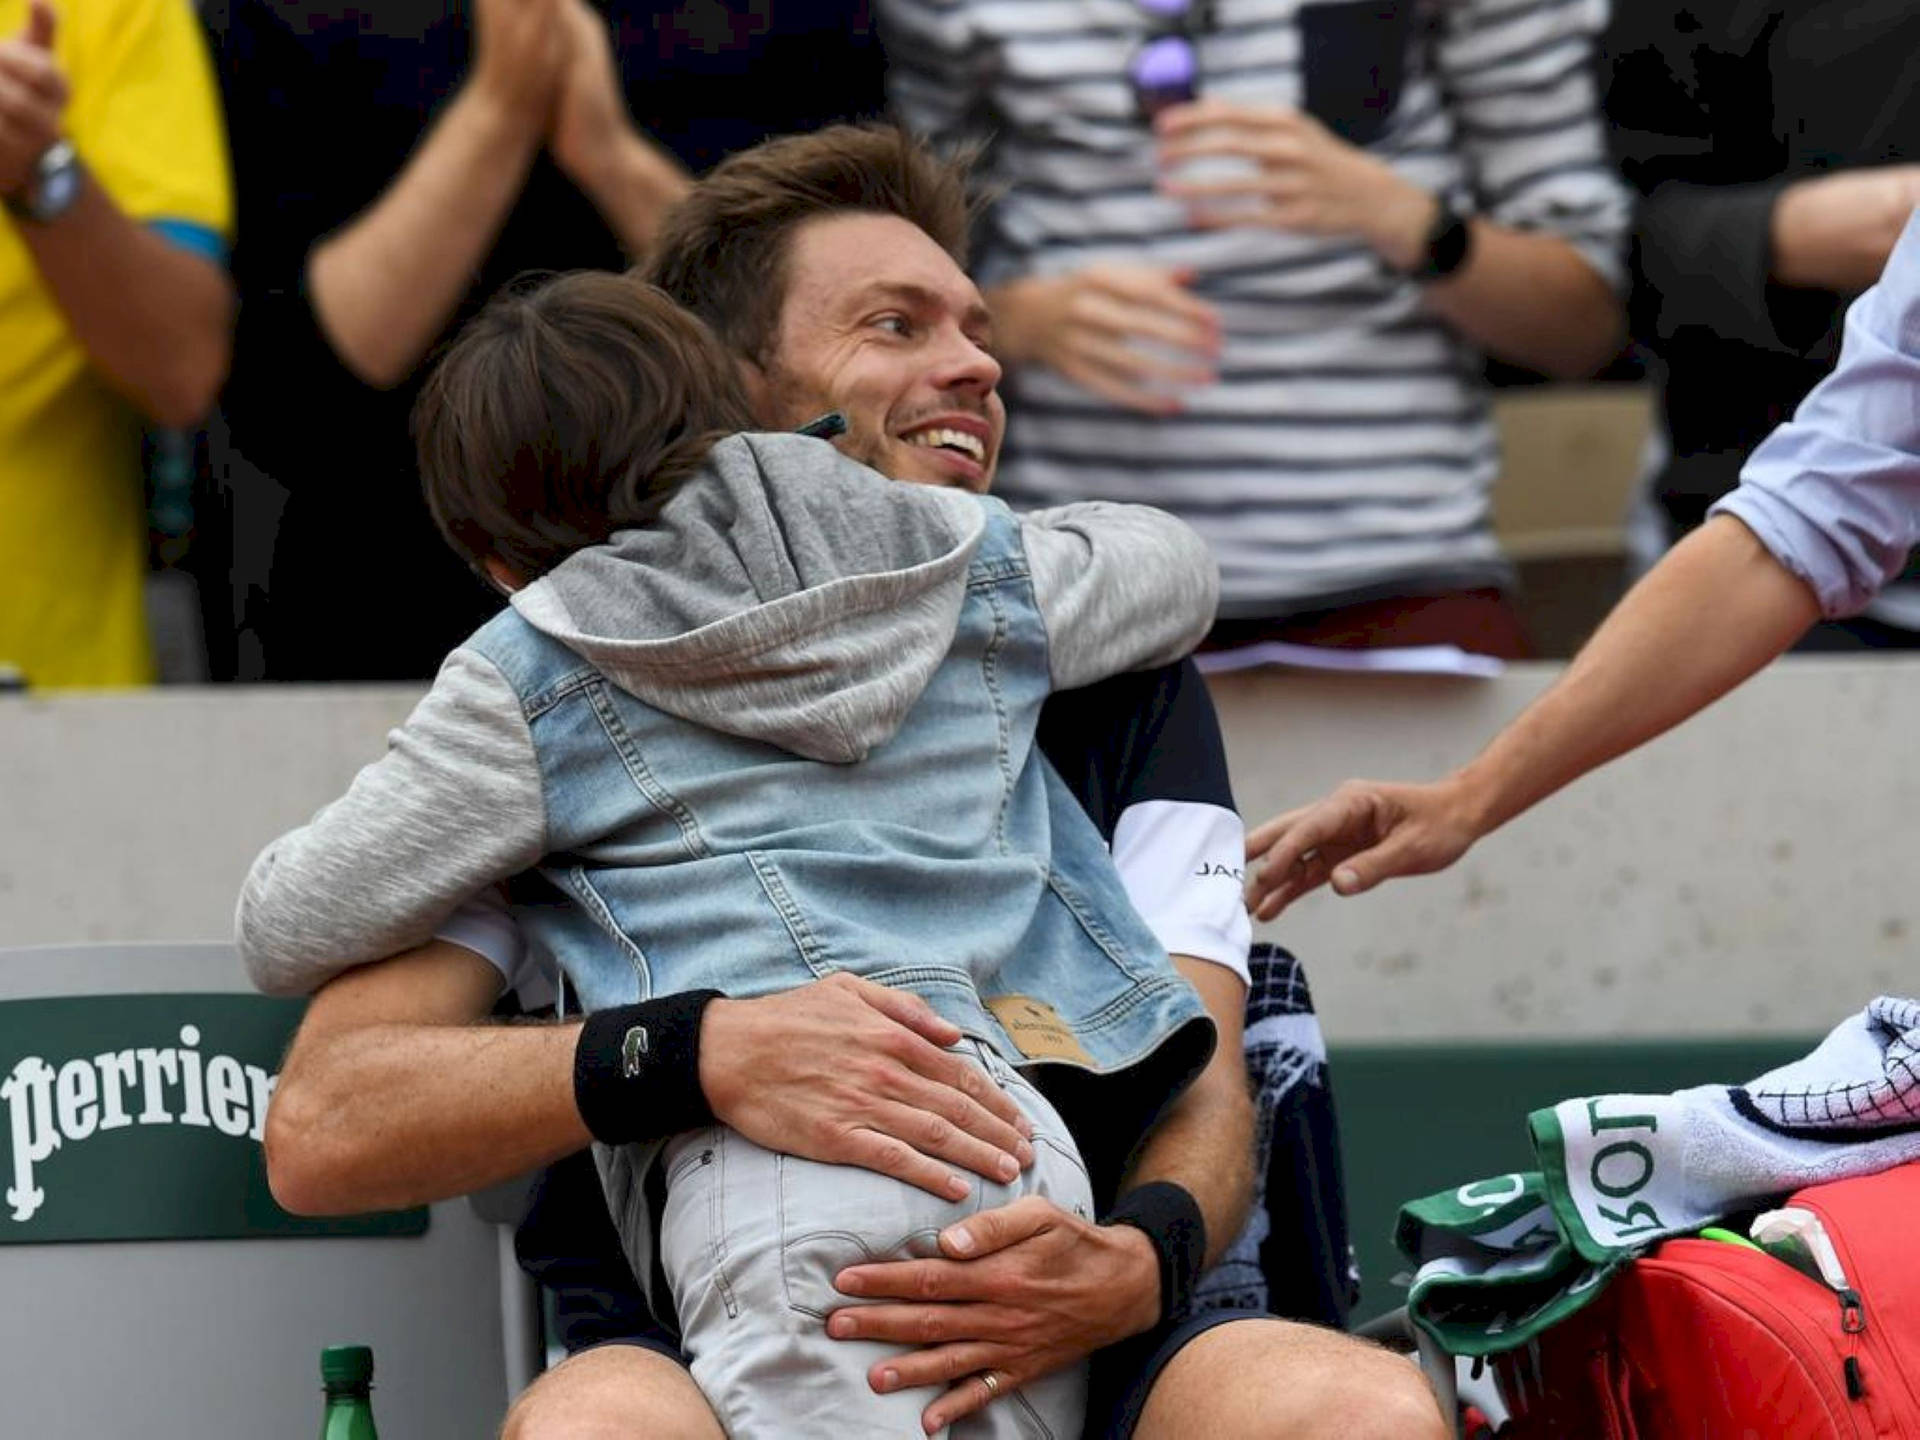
(395, 1093)
(1826, 512)
(1205, 1143)
(1725, 244)
(1716, 609)
(383, 288)
(398, 1092)
(153, 317)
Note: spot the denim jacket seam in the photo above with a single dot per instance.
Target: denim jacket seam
(644, 780)
(812, 953)
(1000, 570)
(1096, 930)
(596, 906)
(555, 692)
(990, 675)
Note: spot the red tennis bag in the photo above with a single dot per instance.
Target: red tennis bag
(1703, 1340)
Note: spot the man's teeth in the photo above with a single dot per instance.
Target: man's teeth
(952, 439)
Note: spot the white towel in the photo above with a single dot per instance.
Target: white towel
(1623, 1170)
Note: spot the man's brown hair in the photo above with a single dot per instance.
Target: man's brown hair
(567, 411)
(721, 252)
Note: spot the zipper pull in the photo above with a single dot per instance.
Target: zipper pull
(1797, 1236)
(1853, 1314)
(1856, 1387)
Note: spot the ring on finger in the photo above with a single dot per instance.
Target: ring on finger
(992, 1382)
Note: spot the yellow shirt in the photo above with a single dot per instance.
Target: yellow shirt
(145, 117)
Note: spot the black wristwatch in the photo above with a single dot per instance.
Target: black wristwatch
(54, 186)
(1449, 239)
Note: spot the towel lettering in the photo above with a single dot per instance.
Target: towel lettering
(1629, 1157)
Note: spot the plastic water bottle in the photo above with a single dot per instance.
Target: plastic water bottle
(346, 1372)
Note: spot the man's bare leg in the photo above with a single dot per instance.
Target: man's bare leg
(1275, 1380)
(613, 1392)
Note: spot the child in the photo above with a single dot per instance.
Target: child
(756, 714)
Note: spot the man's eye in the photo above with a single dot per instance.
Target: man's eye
(895, 324)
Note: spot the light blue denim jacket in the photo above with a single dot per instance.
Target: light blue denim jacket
(786, 730)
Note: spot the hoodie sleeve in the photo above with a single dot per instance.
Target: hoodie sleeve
(454, 805)
(1120, 587)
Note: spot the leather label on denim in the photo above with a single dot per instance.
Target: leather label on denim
(1036, 1028)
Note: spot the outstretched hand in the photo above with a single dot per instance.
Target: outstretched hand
(1363, 833)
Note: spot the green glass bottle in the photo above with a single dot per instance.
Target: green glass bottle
(347, 1373)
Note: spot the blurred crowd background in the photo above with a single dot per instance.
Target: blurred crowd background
(1218, 241)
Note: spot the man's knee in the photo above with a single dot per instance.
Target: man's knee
(613, 1392)
(1275, 1380)
(1391, 1400)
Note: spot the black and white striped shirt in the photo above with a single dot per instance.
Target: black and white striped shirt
(1348, 449)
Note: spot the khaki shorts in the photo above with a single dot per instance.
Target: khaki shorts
(751, 1240)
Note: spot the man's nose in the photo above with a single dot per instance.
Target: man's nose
(965, 365)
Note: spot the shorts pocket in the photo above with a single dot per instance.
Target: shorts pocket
(1353, 64)
(833, 1216)
(693, 1237)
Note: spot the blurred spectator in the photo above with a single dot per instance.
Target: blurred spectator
(1260, 309)
(1772, 145)
(114, 305)
(363, 243)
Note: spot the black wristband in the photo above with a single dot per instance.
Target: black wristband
(636, 1069)
(1447, 245)
(1168, 1216)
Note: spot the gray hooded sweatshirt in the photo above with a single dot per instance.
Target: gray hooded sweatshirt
(785, 594)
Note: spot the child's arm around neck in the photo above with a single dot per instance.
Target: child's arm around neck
(453, 806)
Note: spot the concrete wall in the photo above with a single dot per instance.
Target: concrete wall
(1752, 873)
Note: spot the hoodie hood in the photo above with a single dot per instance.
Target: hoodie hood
(785, 594)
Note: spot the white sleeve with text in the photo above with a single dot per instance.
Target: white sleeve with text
(1184, 866)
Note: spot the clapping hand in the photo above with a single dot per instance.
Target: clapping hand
(1295, 175)
(1132, 334)
(33, 98)
(593, 138)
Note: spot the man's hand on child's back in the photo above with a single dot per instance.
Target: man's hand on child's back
(853, 1073)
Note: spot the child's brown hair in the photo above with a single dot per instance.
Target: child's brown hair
(565, 412)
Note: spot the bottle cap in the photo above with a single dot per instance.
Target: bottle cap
(346, 1365)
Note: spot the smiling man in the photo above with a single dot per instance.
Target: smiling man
(832, 264)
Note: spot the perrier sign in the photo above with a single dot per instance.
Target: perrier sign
(139, 1117)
